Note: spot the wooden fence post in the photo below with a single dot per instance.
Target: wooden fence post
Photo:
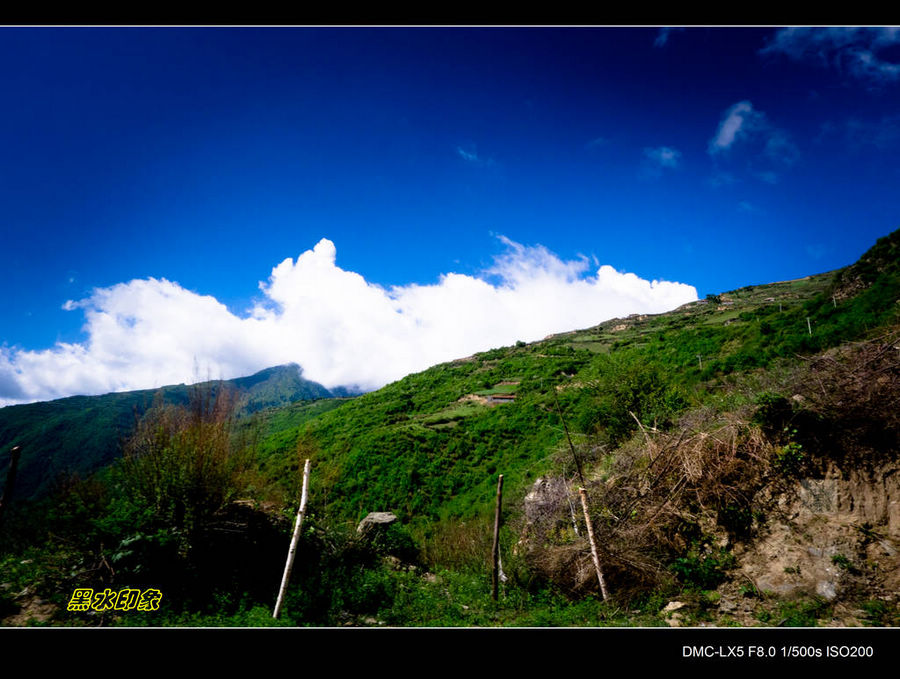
(495, 549)
(294, 540)
(10, 478)
(590, 532)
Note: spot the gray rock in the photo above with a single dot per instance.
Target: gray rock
(379, 519)
(826, 589)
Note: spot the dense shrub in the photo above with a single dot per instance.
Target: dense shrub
(181, 464)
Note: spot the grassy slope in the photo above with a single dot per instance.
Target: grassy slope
(414, 447)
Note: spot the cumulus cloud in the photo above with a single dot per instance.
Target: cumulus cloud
(342, 329)
(858, 52)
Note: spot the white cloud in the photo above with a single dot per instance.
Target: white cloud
(339, 327)
(470, 155)
(750, 129)
(738, 122)
(854, 51)
(663, 156)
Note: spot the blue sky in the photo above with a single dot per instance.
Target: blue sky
(204, 158)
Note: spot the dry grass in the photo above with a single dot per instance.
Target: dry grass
(457, 544)
(652, 500)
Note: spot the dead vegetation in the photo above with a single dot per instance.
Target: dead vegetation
(851, 402)
(680, 504)
(660, 496)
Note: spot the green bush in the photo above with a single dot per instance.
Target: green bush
(180, 466)
(703, 570)
(628, 384)
(789, 457)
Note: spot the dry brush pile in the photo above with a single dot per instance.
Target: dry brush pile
(670, 503)
(658, 498)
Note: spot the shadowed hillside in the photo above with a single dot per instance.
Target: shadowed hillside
(81, 434)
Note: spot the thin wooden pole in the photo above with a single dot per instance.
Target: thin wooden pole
(568, 438)
(808, 326)
(495, 549)
(590, 532)
(10, 478)
(294, 540)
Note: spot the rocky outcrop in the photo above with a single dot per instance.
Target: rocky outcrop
(831, 535)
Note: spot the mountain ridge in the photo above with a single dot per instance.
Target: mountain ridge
(80, 434)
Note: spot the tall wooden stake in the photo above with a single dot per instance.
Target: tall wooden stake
(10, 478)
(590, 532)
(294, 540)
(808, 326)
(495, 549)
(569, 439)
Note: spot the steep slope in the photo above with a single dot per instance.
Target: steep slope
(433, 443)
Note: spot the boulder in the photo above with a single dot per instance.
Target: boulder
(375, 520)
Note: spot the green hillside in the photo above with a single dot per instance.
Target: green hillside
(426, 446)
